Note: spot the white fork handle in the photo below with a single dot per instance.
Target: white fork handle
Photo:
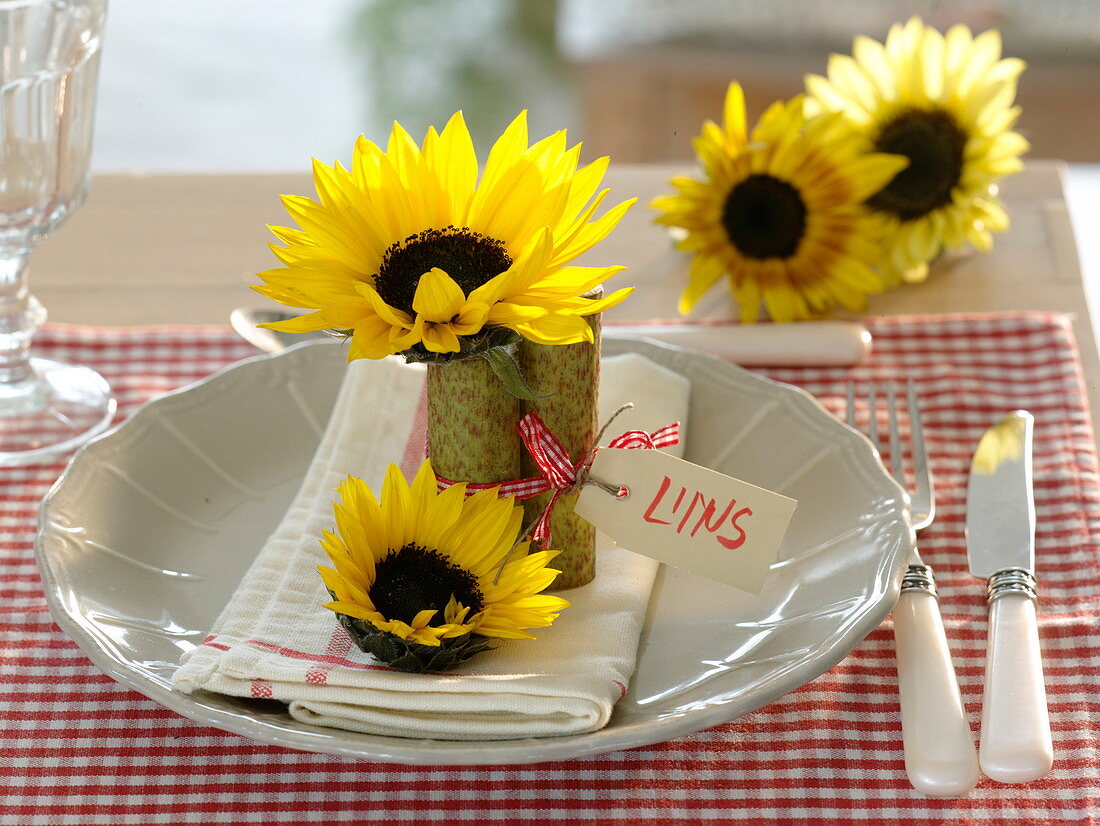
(1016, 746)
(940, 758)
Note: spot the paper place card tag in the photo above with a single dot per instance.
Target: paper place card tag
(688, 516)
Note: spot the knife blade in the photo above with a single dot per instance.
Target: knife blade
(1015, 744)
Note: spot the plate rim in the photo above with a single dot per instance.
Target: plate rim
(423, 751)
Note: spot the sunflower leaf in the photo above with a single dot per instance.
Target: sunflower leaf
(506, 369)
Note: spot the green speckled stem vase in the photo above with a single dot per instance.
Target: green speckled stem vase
(571, 373)
(472, 423)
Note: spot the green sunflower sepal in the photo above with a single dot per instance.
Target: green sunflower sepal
(497, 345)
(413, 656)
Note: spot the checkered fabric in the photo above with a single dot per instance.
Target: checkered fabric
(76, 747)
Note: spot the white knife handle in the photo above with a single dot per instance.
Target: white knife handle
(940, 757)
(1015, 744)
(840, 343)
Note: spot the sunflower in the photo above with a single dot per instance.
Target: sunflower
(422, 575)
(946, 103)
(781, 214)
(408, 252)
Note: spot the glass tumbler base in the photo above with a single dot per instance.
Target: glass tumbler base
(51, 414)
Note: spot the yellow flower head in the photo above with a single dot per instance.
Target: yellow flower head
(946, 103)
(780, 213)
(411, 252)
(422, 566)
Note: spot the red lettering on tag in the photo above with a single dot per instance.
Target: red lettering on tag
(706, 517)
(648, 515)
(708, 512)
(734, 544)
(695, 499)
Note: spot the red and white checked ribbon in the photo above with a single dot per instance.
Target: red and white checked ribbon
(559, 474)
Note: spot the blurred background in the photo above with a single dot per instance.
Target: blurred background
(250, 85)
(264, 85)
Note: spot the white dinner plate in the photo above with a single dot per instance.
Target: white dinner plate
(143, 539)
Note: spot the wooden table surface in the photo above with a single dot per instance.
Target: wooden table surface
(162, 249)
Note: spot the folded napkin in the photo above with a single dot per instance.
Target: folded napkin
(275, 640)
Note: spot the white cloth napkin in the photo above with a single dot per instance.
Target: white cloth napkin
(275, 640)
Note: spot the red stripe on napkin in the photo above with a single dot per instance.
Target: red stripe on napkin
(338, 646)
(261, 689)
(416, 447)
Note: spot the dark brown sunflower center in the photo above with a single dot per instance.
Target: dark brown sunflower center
(413, 578)
(468, 257)
(764, 217)
(934, 144)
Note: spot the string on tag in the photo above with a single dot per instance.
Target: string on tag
(584, 472)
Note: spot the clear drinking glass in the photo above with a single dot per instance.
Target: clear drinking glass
(49, 64)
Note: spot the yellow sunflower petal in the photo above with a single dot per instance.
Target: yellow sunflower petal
(470, 319)
(568, 282)
(591, 306)
(705, 271)
(454, 161)
(505, 313)
(441, 515)
(525, 271)
(438, 298)
(372, 338)
(506, 149)
(583, 188)
(437, 338)
(555, 328)
(592, 233)
(391, 315)
(347, 246)
(734, 115)
(301, 324)
(397, 508)
(422, 618)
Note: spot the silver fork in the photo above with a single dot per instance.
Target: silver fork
(940, 757)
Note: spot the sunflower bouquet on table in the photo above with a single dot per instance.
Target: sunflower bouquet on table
(410, 253)
(889, 159)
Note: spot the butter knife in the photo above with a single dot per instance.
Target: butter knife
(818, 343)
(1015, 744)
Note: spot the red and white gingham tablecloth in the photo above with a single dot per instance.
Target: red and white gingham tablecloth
(76, 747)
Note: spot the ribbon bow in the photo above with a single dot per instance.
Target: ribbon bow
(559, 474)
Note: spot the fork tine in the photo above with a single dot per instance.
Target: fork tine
(924, 497)
(895, 439)
(850, 401)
